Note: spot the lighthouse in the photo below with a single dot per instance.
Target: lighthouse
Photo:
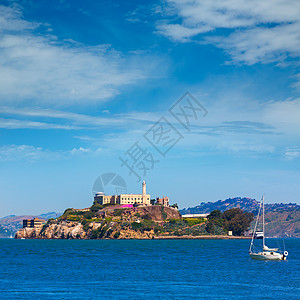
(144, 196)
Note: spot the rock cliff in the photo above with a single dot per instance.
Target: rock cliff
(111, 222)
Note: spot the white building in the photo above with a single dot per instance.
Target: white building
(195, 216)
(101, 198)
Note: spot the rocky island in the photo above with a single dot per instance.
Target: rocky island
(143, 222)
(105, 221)
(135, 216)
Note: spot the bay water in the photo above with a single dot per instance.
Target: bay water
(144, 269)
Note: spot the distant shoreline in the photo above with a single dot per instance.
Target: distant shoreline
(202, 237)
(183, 237)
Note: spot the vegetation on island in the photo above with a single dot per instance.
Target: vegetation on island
(235, 220)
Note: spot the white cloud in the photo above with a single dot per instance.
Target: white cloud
(284, 115)
(70, 120)
(40, 68)
(80, 150)
(262, 44)
(234, 123)
(256, 31)
(31, 153)
(11, 19)
(241, 146)
(232, 13)
(63, 115)
(292, 153)
(23, 152)
(23, 124)
(297, 83)
(239, 124)
(181, 33)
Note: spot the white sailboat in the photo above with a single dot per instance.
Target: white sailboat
(266, 253)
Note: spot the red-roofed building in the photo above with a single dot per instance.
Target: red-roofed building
(162, 201)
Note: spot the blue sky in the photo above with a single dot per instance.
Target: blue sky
(81, 82)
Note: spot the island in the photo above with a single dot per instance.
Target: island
(112, 221)
(136, 216)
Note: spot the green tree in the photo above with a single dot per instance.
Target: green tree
(88, 215)
(210, 227)
(215, 221)
(96, 207)
(214, 215)
(68, 210)
(237, 221)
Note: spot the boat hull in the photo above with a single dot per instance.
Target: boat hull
(268, 256)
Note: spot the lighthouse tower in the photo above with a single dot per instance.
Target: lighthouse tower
(144, 192)
(144, 188)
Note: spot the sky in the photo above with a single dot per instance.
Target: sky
(198, 98)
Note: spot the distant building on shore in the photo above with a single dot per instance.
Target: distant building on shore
(195, 216)
(163, 201)
(33, 223)
(101, 198)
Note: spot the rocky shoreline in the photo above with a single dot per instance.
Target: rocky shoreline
(75, 231)
(203, 237)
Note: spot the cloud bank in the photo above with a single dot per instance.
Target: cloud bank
(250, 31)
(38, 67)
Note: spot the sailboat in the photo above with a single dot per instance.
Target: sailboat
(266, 253)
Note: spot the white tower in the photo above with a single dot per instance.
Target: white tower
(145, 197)
(144, 188)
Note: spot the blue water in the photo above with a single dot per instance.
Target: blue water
(148, 269)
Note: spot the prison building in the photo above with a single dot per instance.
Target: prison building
(101, 198)
(33, 223)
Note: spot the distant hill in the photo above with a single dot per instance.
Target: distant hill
(246, 204)
(49, 215)
(9, 225)
(282, 220)
(283, 223)
(8, 216)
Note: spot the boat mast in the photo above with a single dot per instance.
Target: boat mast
(254, 231)
(263, 198)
